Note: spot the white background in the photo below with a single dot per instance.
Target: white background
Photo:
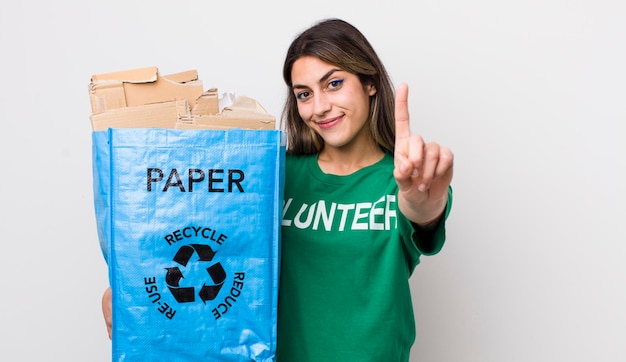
(530, 95)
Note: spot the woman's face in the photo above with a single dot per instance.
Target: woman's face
(333, 102)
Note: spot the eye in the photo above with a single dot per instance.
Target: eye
(303, 96)
(335, 84)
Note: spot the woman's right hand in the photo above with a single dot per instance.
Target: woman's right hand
(107, 311)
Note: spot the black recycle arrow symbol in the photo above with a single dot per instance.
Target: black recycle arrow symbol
(174, 275)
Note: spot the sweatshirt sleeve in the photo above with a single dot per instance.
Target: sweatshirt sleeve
(431, 241)
(419, 241)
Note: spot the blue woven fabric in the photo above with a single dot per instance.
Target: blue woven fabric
(189, 224)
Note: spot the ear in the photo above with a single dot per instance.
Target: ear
(371, 89)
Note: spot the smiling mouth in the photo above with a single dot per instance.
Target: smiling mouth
(328, 123)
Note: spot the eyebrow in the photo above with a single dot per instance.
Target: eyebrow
(321, 80)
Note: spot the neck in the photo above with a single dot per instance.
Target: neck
(347, 160)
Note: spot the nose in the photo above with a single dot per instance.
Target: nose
(321, 104)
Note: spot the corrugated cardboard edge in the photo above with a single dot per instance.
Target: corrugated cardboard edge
(221, 122)
(207, 103)
(138, 75)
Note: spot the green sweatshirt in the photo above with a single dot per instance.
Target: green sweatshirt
(347, 255)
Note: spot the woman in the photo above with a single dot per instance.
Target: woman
(363, 200)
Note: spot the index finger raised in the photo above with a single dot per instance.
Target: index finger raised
(403, 128)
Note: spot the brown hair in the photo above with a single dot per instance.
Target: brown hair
(339, 43)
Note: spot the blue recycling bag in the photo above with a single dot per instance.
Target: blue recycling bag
(189, 224)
